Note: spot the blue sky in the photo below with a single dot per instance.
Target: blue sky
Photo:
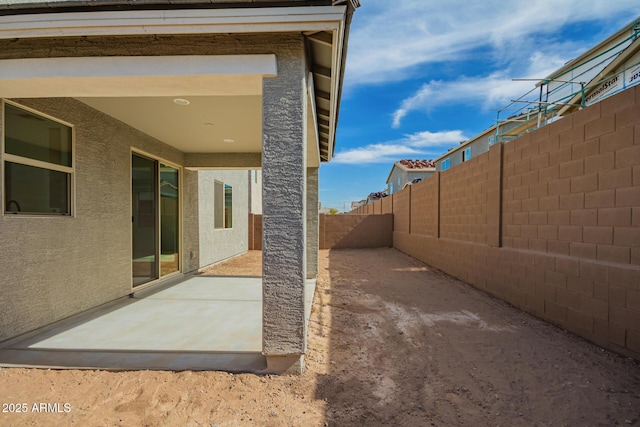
(423, 75)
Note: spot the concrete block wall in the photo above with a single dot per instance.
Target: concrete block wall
(356, 231)
(402, 210)
(569, 188)
(425, 210)
(549, 222)
(387, 205)
(463, 201)
(340, 231)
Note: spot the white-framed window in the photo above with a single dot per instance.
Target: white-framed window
(466, 154)
(446, 164)
(223, 205)
(492, 140)
(37, 163)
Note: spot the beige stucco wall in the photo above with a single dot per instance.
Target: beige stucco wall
(53, 267)
(222, 243)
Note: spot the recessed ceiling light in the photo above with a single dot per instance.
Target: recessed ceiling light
(228, 140)
(181, 101)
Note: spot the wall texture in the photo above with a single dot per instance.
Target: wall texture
(219, 244)
(356, 231)
(53, 267)
(549, 222)
(341, 231)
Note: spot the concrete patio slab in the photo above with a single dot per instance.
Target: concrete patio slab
(201, 323)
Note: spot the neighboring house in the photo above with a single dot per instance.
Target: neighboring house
(604, 70)
(610, 67)
(477, 145)
(127, 131)
(406, 172)
(374, 197)
(323, 210)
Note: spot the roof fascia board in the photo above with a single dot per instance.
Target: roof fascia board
(108, 66)
(166, 22)
(338, 37)
(130, 75)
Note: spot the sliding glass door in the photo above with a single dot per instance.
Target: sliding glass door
(155, 209)
(169, 220)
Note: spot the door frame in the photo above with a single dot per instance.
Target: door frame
(179, 168)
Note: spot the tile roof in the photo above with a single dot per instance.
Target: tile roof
(417, 164)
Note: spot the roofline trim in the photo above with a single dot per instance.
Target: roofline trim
(180, 21)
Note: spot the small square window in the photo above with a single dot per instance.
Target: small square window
(445, 164)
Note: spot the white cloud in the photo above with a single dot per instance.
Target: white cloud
(390, 38)
(495, 90)
(375, 153)
(428, 139)
(413, 145)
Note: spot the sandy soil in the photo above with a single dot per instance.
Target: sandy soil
(392, 342)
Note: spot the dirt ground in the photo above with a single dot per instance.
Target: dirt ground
(391, 342)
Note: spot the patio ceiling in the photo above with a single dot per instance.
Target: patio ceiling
(208, 124)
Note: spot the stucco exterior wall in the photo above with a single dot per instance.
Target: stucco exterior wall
(217, 244)
(284, 178)
(53, 267)
(255, 191)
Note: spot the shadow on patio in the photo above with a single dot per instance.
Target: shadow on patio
(211, 320)
(198, 323)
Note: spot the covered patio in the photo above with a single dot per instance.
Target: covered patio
(192, 323)
(151, 99)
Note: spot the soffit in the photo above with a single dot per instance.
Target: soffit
(208, 124)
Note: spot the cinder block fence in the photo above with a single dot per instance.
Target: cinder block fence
(549, 222)
(339, 231)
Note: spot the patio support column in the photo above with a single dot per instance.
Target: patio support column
(284, 212)
(313, 219)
